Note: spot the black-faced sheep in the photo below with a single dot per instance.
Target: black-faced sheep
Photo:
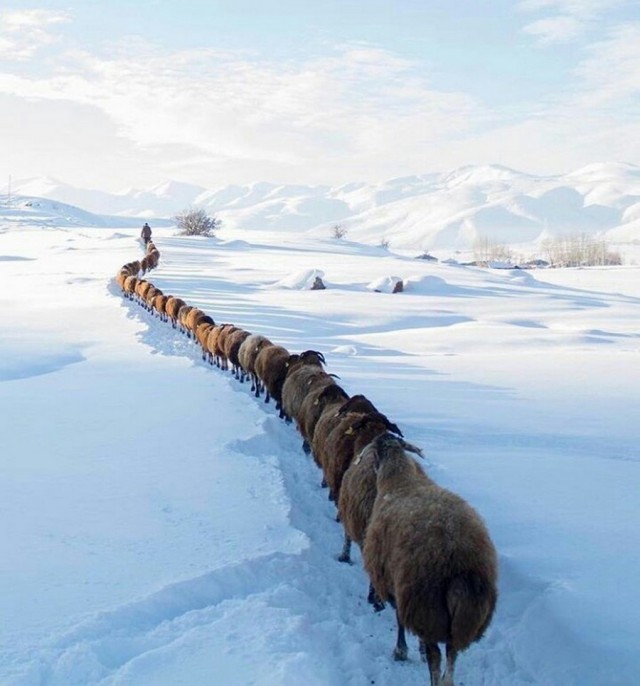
(354, 431)
(429, 553)
(331, 415)
(247, 354)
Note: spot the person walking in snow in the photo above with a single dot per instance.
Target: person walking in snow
(145, 234)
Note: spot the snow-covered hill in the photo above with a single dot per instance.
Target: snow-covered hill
(423, 212)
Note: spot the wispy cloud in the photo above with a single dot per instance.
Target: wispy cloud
(24, 32)
(566, 20)
(355, 106)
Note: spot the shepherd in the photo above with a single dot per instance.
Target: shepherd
(145, 234)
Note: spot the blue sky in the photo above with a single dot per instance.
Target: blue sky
(113, 94)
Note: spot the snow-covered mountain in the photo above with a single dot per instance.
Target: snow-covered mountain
(437, 210)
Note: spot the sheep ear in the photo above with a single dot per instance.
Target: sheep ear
(411, 448)
(394, 429)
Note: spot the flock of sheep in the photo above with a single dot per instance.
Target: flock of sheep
(426, 551)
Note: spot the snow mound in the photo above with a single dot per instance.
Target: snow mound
(301, 281)
(386, 284)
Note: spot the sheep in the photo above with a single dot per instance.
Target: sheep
(232, 344)
(130, 286)
(247, 354)
(220, 354)
(428, 552)
(348, 437)
(144, 265)
(202, 333)
(121, 276)
(331, 415)
(195, 317)
(151, 294)
(301, 376)
(153, 258)
(271, 369)
(294, 385)
(182, 316)
(212, 341)
(320, 395)
(355, 503)
(159, 304)
(172, 308)
(142, 288)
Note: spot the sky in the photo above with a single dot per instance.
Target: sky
(113, 95)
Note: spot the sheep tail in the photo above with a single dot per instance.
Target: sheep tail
(470, 601)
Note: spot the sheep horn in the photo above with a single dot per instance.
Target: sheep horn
(409, 447)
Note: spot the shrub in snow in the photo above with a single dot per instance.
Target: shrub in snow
(338, 231)
(193, 222)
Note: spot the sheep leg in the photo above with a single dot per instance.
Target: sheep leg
(374, 599)
(452, 654)
(433, 658)
(345, 555)
(267, 396)
(400, 651)
(306, 447)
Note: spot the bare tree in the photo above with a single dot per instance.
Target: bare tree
(196, 222)
(338, 231)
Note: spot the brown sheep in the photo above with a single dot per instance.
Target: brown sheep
(271, 369)
(247, 354)
(172, 308)
(142, 288)
(355, 504)
(299, 382)
(121, 277)
(144, 265)
(220, 354)
(429, 552)
(320, 396)
(212, 342)
(159, 304)
(232, 348)
(151, 294)
(202, 333)
(354, 431)
(130, 286)
(195, 317)
(329, 419)
(153, 259)
(182, 317)
(295, 392)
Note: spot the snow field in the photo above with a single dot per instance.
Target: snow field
(166, 527)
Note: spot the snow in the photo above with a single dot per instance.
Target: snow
(162, 526)
(448, 210)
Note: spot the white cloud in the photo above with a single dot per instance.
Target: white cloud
(354, 108)
(570, 18)
(555, 30)
(24, 32)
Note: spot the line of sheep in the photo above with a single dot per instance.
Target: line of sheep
(426, 551)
